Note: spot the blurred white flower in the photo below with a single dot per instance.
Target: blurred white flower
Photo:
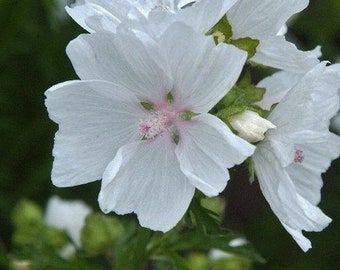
(290, 160)
(68, 215)
(152, 159)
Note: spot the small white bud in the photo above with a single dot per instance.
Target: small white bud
(250, 126)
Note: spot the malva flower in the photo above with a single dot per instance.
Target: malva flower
(290, 160)
(264, 21)
(151, 16)
(138, 119)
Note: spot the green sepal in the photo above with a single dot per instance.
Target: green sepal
(147, 106)
(99, 233)
(188, 115)
(170, 98)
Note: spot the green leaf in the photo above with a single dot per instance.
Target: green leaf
(247, 44)
(131, 252)
(222, 26)
(100, 233)
(204, 219)
(195, 240)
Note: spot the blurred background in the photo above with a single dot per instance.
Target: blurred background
(33, 37)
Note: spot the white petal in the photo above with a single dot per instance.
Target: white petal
(106, 14)
(294, 212)
(203, 15)
(317, 93)
(261, 19)
(145, 178)
(277, 86)
(124, 59)
(95, 118)
(317, 158)
(203, 72)
(67, 215)
(276, 52)
(206, 149)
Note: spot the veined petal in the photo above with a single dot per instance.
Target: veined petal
(203, 15)
(203, 72)
(98, 15)
(277, 86)
(206, 149)
(294, 212)
(276, 52)
(122, 59)
(95, 118)
(145, 178)
(318, 90)
(317, 157)
(261, 18)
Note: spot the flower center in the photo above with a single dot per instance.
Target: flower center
(299, 156)
(153, 125)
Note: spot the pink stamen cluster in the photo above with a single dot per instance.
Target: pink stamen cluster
(299, 157)
(155, 124)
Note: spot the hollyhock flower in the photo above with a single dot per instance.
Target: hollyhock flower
(138, 119)
(265, 21)
(69, 216)
(291, 158)
(151, 17)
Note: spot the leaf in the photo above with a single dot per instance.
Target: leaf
(131, 253)
(223, 26)
(247, 44)
(204, 219)
(195, 240)
(100, 233)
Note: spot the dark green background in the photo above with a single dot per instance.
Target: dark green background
(33, 38)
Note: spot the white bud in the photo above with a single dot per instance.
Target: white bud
(250, 126)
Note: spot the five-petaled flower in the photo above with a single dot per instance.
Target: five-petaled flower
(138, 119)
(291, 158)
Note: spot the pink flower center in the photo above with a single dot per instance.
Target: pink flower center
(153, 125)
(299, 157)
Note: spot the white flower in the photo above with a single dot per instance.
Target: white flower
(250, 126)
(150, 161)
(291, 158)
(151, 16)
(265, 21)
(68, 215)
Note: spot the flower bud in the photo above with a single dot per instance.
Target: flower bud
(250, 126)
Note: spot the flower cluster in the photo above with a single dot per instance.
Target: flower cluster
(160, 109)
